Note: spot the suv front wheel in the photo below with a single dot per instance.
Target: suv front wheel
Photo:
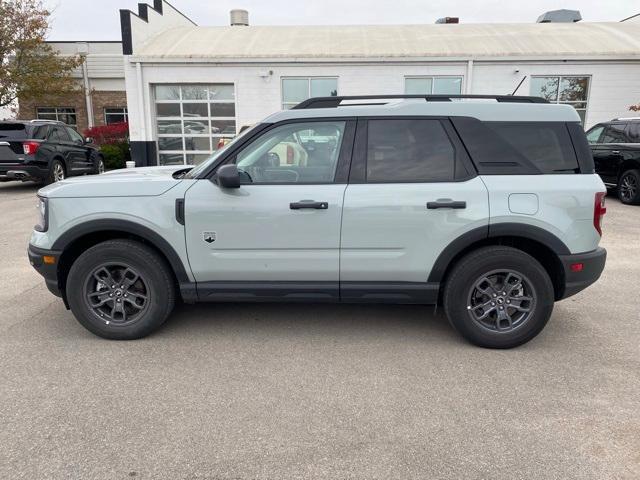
(121, 290)
(498, 297)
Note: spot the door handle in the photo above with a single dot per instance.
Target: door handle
(309, 204)
(615, 152)
(446, 203)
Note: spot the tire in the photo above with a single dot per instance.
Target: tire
(465, 302)
(57, 172)
(129, 308)
(629, 187)
(99, 166)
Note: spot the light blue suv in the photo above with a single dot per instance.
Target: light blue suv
(486, 205)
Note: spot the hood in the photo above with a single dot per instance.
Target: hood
(125, 182)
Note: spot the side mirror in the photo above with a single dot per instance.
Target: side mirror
(88, 140)
(227, 176)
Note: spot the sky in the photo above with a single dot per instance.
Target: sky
(100, 20)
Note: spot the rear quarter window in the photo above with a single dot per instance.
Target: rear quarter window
(546, 145)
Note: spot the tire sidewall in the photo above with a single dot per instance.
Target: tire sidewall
(154, 279)
(51, 179)
(463, 281)
(636, 199)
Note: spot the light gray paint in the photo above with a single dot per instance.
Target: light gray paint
(483, 110)
(389, 235)
(259, 237)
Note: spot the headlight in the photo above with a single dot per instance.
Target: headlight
(42, 205)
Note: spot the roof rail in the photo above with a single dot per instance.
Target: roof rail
(42, 120)
(333, 102)
(625, 118)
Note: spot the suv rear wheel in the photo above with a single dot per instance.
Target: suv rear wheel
(121, 290)
(629, 187)
(99, 166)
(57, 172)
(498, 297)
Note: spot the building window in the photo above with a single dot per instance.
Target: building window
(116, 115)
(298, 89)
(66, 115)
(433, 85)
(192, 119)
(568, 90)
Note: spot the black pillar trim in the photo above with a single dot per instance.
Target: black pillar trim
(125, 30)
(144, 153)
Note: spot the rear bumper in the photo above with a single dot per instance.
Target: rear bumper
(592, 266)
(48, 271)
(21, 171)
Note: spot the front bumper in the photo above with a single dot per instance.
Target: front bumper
(48, 270)
(592, 266)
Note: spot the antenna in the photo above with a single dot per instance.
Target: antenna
(521, 82)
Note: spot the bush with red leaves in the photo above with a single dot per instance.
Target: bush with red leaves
(109, 134)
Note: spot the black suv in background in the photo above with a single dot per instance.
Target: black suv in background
(45, 151)
(616, 152)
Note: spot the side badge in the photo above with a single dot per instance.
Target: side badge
(209, 237)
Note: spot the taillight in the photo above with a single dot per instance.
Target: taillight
(598, 211)
(220, 143)
(30, 148)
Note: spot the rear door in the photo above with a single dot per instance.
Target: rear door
(411, 192)
(58, 143)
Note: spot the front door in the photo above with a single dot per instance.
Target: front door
(608, 153)
(278, 235)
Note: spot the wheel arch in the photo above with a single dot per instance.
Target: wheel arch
(629, 164)
(77, 239)
(540, 244)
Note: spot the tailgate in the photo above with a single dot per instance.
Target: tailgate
(8, 152)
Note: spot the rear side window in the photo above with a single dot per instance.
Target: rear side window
(546, 145)
(57, 134)
(403, 151)
(633, 132)
(616, 133)
(40, 132)
(12, 131)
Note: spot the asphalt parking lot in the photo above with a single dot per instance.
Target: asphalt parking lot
(236, 391)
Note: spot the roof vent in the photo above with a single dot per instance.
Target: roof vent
(560, 16)
(448, 20)
(239, 18)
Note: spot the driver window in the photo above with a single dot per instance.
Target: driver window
(594, 134)
(293, 153)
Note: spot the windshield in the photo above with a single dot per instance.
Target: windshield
(194, 172)
(12, 131)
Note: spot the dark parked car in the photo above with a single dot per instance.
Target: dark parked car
(45, 152)
(616, 151)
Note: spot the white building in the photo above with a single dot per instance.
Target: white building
(189, 85)
(102, 99)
